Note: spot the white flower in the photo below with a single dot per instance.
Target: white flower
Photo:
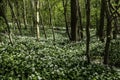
(39, 78)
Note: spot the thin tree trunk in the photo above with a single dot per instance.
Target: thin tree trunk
(9, 32)
(115, 31)
(18, 13)
(102, 16)
(24, 14)
(50, 12)
(97, 19)
(65, 2)
(8, 27)
(42, 23)
(13, 19)
(33, 18)
(80, 21)
(108, 33)
(2, 14)
(107, 44)
(37, 20)
(87, 30)
(12, 11)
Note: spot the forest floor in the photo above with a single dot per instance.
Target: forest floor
(56, 60)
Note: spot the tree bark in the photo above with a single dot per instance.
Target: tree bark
(50, 19)
(18, 12)
(80, 21)
(108, 34)
(32, 7)
(13, 13)
(65, 2)
(2, 14)
(87, 30)
(115, 31)
(37, 20)
(42, 23)
(74, 20)
(102, 16)
(24, 14)
(9, 32)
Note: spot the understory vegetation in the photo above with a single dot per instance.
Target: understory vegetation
(59, 39)
(59, 60)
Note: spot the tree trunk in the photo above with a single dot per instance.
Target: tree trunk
(108, 34)
(87, 30)
(12, 12)
(24, 14)
(97, 18)
(50, 19)
(42, 23)
(9, 32)
(74, 20)
(32, 18)
(102, 16)
(18, 12)
(115, 31)
(2, 14)
(65, 2)
(107, 44)
(80, 21)
(37, 19)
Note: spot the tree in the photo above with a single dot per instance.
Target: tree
(37, 19)
(87, 30)
(24, 13)
(80, 22)
(14, 15)
(108, 32)
(102, 16)
(42, 23)
(2, 14)
(50, 19)
(74, 20)
(32, 7)
(115, 30)
(17, 13)
(65, 3)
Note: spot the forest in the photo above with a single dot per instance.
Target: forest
(59, 40)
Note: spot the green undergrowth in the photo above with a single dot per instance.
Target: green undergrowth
(115, 53)
(28, 59)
